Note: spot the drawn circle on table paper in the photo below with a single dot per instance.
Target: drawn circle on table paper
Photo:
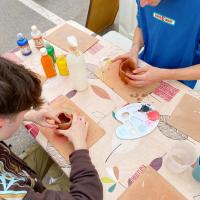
(123, 146)
(142, 119)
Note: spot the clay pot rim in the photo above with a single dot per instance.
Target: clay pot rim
(67, 125)
(123, 73)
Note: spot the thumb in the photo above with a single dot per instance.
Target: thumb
(65, 133)
(48, 125)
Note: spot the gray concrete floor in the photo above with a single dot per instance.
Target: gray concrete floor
(15, 17)
(68, 9)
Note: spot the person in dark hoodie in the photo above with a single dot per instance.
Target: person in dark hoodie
(20, 99)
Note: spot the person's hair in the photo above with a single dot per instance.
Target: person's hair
(20, 89)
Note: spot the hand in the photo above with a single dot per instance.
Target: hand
(43, 117)
(125, 56)
(77, 133)
(144, 76)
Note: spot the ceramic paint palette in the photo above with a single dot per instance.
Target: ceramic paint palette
(139, 119)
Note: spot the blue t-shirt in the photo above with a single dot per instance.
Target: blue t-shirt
(171, 33)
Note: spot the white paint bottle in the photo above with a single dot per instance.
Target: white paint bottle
(37, 37)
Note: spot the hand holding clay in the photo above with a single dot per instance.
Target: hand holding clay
(126, 69)
(77, 133)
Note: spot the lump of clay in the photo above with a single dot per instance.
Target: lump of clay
(126, 67)
(66, 121)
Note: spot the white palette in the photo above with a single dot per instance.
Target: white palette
(139, 119)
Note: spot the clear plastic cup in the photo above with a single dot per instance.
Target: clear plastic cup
(181, 156)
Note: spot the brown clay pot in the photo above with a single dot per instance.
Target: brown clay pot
(65, 119)
(126, 67)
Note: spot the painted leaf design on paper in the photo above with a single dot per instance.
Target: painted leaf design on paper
(169, 131)
(111, 174)
(116, 172)
(32, 129)
(71, 93)
(157, 163)
(112, 188)
(107, 180)
(113, 114)
(100, 92)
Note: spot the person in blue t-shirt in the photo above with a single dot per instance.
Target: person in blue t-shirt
(169, 31)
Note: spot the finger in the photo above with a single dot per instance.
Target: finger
(49, 115)
(135, 83)
(75, 117)
(62, 132)
(48, 125)
(135, 60)
(87, 125)
(140, 70)
(135, 77)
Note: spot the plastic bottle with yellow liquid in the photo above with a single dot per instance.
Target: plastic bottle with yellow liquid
(47, 63)
(62, 65)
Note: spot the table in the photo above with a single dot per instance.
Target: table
(109, 152)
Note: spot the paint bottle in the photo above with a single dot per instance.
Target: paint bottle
(62, 65)
(50, 50)
(22, 42)
(196, 170)
(37, 37)
(47, 63)
(77, 65)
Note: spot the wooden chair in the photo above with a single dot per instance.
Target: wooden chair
(101, 14)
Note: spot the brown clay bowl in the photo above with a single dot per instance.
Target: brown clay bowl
(126, 67)
(65, 119)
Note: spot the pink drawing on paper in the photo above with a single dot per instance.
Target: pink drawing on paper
(166, 91)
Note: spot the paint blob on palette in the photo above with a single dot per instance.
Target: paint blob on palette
(138, 120)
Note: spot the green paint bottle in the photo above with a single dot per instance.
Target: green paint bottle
(50, 51)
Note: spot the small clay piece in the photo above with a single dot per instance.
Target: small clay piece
(66, 121)
(125, 68)
(144, 95)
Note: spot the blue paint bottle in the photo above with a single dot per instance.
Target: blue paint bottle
(22, 42)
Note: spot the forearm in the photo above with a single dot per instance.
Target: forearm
(189, 73)
(84, 177)
(138, 42)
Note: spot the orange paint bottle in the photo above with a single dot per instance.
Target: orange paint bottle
(47, 63)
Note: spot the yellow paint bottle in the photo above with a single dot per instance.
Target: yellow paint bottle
(62, 65)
